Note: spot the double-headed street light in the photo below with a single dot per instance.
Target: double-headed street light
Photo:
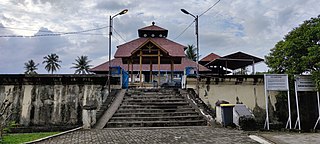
(196, 18)
(110, 35)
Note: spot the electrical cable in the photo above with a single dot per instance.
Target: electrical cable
(119, 34)
(194, 20)
(50, 33)
(184, 30)
(210, 8)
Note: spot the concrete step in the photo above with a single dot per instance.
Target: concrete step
(156, 123)
(158, 103)
(150, 93)
(153, 100)
(155, 110)
(138, 106)
(155, 114)
(153, 97)
(159, 118)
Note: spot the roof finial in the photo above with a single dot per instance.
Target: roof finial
(153, 23)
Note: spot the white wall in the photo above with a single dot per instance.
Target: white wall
(249, 92)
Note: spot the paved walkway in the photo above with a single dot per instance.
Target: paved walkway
(292, 138)
(185, 135)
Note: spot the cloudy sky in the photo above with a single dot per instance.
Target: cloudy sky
(252, 27)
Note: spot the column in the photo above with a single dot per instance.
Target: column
(151, 70)
(172, 67)
(140, 76)
(132, 79)
(158, 67)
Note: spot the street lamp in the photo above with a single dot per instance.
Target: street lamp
(110, 35)
(196, 18)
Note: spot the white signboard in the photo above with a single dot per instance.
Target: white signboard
(305, 83)
(276, 82)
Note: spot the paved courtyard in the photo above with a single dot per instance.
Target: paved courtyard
(185, 135)
(292, 138)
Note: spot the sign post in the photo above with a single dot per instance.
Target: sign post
(276, 82)
(315, 126)
(303, 83)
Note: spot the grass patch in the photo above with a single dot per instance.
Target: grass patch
(24, 137)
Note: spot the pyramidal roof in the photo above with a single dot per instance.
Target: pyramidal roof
(153, 27)
(153, 31)
(210, 57)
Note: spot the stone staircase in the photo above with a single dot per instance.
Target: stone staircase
(106, 104)
(155, 108)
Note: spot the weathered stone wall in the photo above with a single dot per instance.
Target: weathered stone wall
(44, 100)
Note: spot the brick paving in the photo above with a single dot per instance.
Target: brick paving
(185, 135)
(292, 138)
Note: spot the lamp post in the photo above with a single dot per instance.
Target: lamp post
(196, 18)
(110, 35)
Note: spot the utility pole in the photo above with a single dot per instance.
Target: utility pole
(110, 35)
(196, 18)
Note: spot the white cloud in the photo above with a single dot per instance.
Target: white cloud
(232, 25)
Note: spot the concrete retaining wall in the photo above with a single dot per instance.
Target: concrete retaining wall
(248, 90)
(50, 100)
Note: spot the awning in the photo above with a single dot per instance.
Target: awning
(235, 61)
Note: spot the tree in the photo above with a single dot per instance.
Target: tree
(298, 52)
(30, 67)
(191, 52)
(82, 65)
(52, 62)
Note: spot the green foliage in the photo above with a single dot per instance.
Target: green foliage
(281, 112)
(10, 125)
(25, 137)
(52, 62)
(247, 123)
(191, 52)
(299, 51)
(30, 67)
(82, 65)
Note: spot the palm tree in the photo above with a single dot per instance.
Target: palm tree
(191, 52)
(30, 67)
(52, 62)
(82, 65)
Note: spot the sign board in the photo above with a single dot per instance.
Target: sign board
(276, 82)
(305, 83)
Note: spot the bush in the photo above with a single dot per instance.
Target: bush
(247, 123)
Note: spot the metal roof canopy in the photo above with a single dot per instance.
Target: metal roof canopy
(235, 61)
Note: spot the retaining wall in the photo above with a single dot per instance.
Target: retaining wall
(246, 89)
(50, 100)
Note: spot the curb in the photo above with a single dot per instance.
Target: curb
(52, 136)
(259, 139)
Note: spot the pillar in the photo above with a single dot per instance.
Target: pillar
(132, 79)
(158, 67)
(172, 67)
(129, 68)
(140, 76)
(150, 70)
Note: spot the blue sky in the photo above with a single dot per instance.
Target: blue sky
(252, 27)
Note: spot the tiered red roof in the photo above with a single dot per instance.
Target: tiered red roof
(185, 62)
(174, 49)
(157, 36)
